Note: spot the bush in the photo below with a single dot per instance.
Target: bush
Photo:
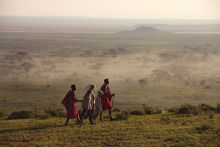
(36, 114)
(188, 109)
(157, 111)
(205, 107)
(173, 110)
(137, 112)
(122, 116)
(218, 108)
(56, 112)
(116, 110)
(21, 114)
(149, 110)
(42, 115)
(24, 114)
(2, 114)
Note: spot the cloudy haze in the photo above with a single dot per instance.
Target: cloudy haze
(139, 9)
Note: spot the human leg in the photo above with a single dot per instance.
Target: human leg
(89, 112)
(101, 119)
(81, 115)
(67, 120)
(110, 114)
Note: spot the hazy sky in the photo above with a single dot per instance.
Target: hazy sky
(140, 9)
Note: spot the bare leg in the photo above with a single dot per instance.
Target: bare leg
(78, 121)
(110, 114)
(101, 119)
(67, 120)
(81, 115)
(89, 112)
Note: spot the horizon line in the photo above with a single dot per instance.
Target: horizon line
(93, 17)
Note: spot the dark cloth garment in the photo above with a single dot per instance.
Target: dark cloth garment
(87, 112)
(106, 97)
(69, 102)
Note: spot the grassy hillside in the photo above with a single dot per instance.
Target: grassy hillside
(145, 65)
(145, 130)
(159, 69)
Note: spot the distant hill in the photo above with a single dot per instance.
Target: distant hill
(143, 30)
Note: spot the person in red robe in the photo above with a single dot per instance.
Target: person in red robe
(107, 99)
(69, 103)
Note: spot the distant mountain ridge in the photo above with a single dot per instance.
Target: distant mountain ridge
(143, 30)
(146, 29)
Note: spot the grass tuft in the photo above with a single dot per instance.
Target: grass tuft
(203, 127)
(136, 112)
(122, 115)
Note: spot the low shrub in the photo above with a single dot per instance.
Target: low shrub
(157, 111)
(149, 110)
(122, 115)
(173, 110)
(37, 114)
(206, 107)
(21, 114)
(218, 108)
(2, 114)
(188, 109)
(136, 112)
(42, 115)
(24, 114)
(56, 112)
(116, 110)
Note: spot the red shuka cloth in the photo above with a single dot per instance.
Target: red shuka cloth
(69, 102)
(106, 97)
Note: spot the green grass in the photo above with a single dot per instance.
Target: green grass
(144, 130)
(130, 96)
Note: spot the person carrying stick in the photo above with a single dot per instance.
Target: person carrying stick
(107, 99)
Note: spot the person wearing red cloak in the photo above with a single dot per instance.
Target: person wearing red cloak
(69, 103)
(106, 99)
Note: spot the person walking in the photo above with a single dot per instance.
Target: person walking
(87, 105)
(69, 103)
(107, 99)
(98, 105)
